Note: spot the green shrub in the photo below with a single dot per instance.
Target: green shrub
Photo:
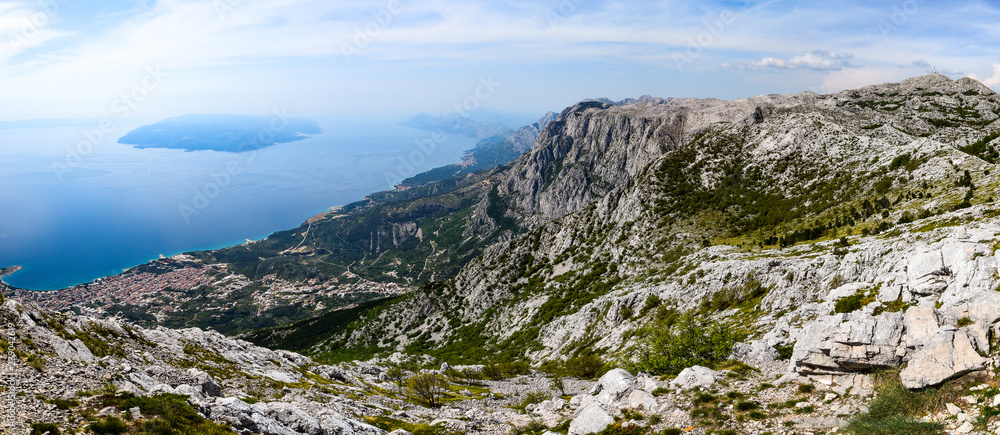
(900, 160)
(690, 341)
(806, 388)
(493, 372)
(746, 406)
(964, 321)
(110, 425)
(64, 404)
(585, 367)
(652, 301)
(850, 304)
(45, 429)
(671, 431)
(784, 352)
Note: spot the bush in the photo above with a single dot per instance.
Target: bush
(493, 372)
(499, 372)
(784, 351)
(850, 304)
(691, 341)
(652, 301)
(110, 425)
(584, 367)
(45, 429)
(64, 404)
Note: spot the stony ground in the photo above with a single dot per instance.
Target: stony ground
(75, 371)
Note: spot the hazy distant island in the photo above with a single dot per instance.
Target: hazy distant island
(227, 133)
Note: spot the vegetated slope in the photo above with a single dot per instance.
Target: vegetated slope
(367, 250)
(621, 208)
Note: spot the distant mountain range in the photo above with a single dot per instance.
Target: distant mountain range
(458, 125)
(228, 133)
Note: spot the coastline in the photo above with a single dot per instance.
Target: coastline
(7, 271)
(10, 270)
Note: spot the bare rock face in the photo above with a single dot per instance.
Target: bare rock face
(844, 343)
(949, 353)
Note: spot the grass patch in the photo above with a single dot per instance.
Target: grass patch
(895, 410)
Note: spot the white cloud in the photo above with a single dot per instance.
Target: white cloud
(993, 81)
(24, 26)
(819, 60)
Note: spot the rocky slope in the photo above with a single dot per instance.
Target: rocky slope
(73, 373)
(880, 180)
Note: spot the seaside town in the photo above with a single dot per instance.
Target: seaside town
(163, 286)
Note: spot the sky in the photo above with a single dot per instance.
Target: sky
(149, 59)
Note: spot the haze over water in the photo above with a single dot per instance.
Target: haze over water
(121, 206)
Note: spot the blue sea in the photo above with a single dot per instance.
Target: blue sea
(71, 213)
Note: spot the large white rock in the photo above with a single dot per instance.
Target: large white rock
(614, 384)
(294, 418)
(925, 271)
(550, 411)
(640, 399)
(245, 419)
(591, 419)
(949, 353)
(694, 377)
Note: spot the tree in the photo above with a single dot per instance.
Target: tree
(428, 388)
(396, 374)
